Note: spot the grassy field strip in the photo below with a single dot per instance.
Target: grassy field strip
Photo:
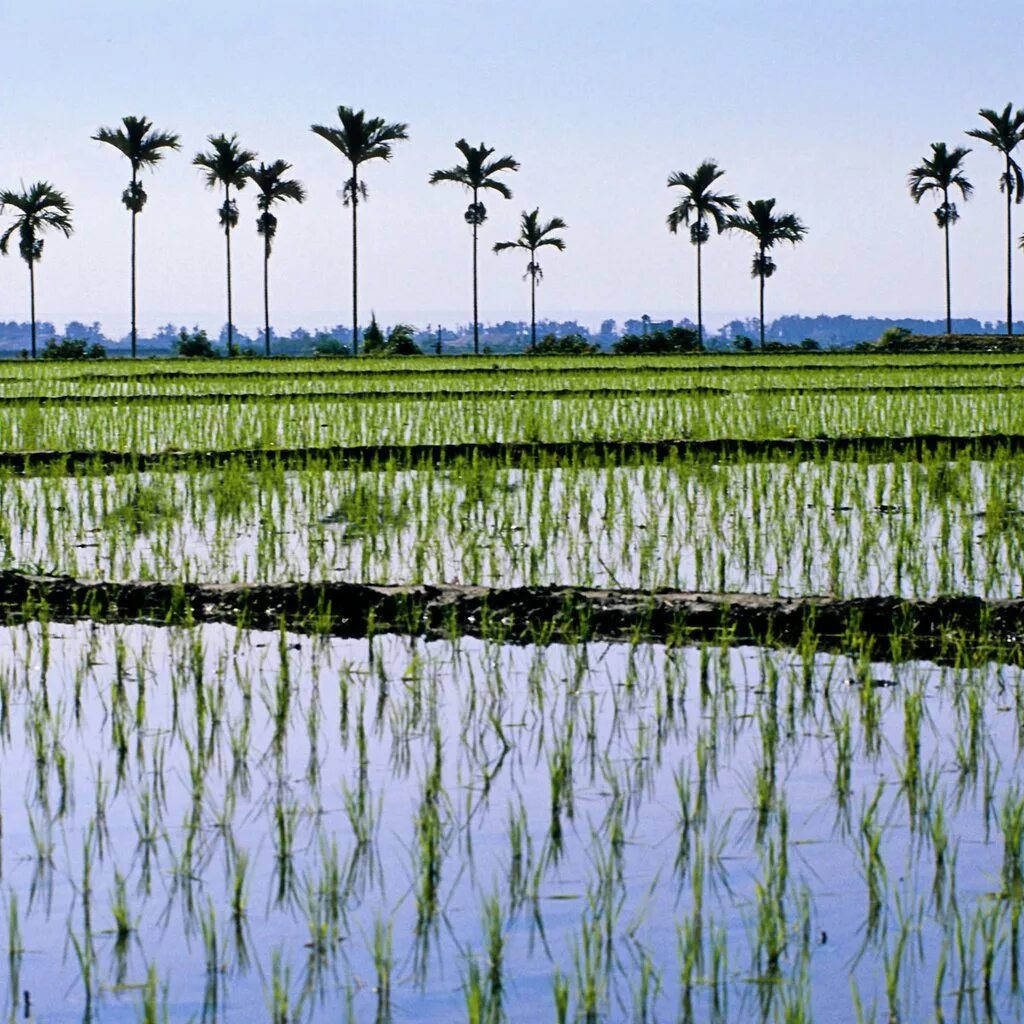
(308, 423)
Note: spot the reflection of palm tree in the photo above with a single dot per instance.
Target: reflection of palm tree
(143, 147)
(940, 172)
(1005, 131)
(767, 228)
(532, 236)
(359, 139)
(38, 207)
(274, 188)
(700, 204)
(229, 165)
(475, 174)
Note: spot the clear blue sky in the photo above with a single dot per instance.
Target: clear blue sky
(822, 104)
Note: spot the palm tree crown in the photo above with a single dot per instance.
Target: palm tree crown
(359, 138)
(478, 172)
(135, 140)
(533, 235)
(1004, 132)
(37, 208)
(942, 172)
(768, 229)
(699, 204)
(273, 188)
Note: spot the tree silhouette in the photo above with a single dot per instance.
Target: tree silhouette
(143, 147)
(1005, 130)
(532, 236)
(359, 139)
(768, 229)
(36, 209)
(475, 174)
(698, 205)
(940, 172)
(273, 188)
(229, 165)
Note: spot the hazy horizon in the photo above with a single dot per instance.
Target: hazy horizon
(599, 103)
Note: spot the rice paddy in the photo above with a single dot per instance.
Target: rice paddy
(497, 811)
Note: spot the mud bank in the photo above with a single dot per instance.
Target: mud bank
(890, 626)
(524, 453)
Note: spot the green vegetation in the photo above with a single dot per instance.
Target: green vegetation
(554, 758)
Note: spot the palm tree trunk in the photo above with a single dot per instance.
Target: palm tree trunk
(533, 303)
(761, 279)
(700, 307)
(949, 313)
(135, 333)
(476, 314)
(227, 244)
(355, 265)
(32, 301)
(1009, 251)
(266, 296)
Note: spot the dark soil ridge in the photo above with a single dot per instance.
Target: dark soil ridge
(524, 453)
(596, 364)
(891, 626)
(494, 394)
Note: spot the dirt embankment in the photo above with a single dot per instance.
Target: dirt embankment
(894, 627)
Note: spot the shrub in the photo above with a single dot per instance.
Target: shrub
(401, 341)
(73, 348)
(742, 343)
(671, 341)
(327, 346)
(567, 345)
(195, 345)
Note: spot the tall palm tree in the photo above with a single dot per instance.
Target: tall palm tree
(273, 188)
(1005, 130)
(229, 165)
(768, 229)
(475, 174)
(36, 208)
(143, 147)
(532, 236)
(940, 172)
(359, 139)
(701, 204)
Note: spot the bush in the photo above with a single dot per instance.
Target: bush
(195, 345)
(401, 341)
(742, 343)
(669, 342)
(327, 346)
(567, 345)
(73, 348)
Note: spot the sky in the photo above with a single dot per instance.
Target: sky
(822, 104)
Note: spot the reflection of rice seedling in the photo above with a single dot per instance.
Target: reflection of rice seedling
(143, 510)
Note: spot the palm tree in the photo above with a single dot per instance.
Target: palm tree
(701, 204)
(1005, 131)
(475, 174)
(940, 172)
(359, 139)
(274, 188)
(143, 147)
(36, 208)
(768, 229)
(229, 165)
(532, 236)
